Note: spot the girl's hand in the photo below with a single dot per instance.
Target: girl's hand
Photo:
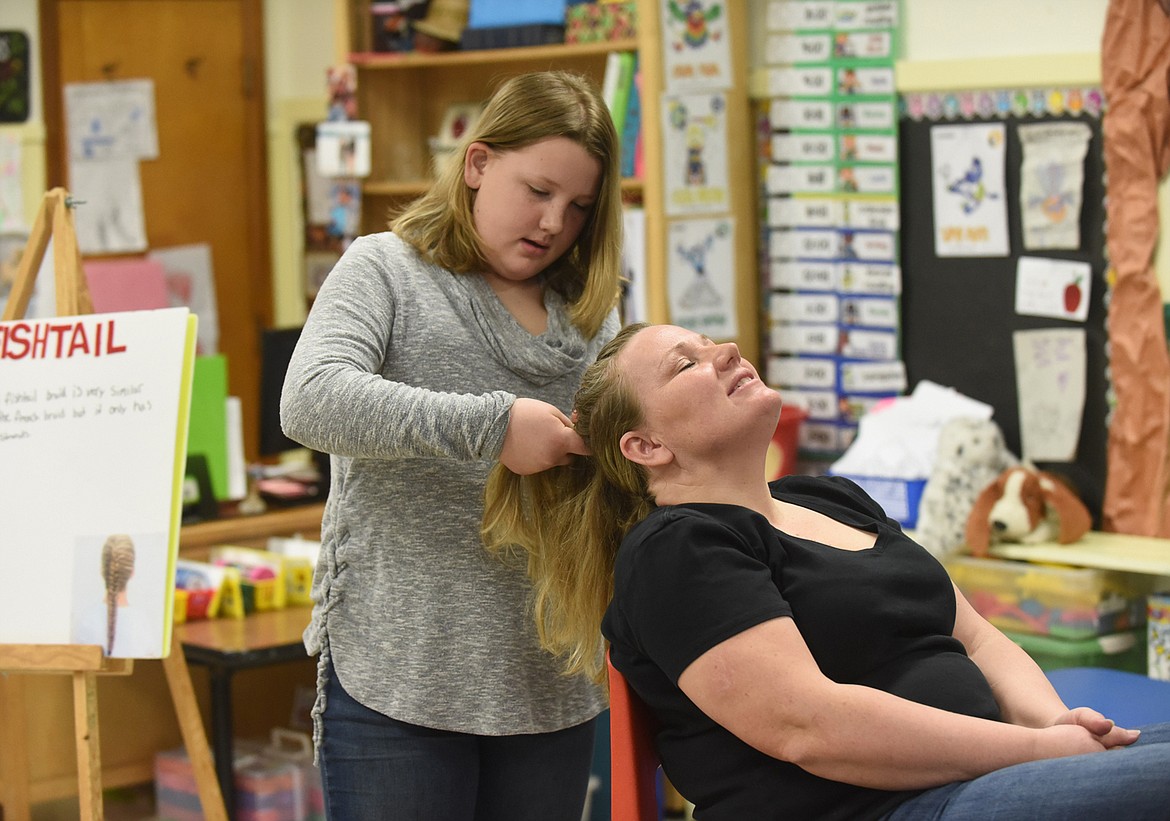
(539, 437)
(1103, 729)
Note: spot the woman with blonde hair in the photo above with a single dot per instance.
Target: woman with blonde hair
(804, 657)
(453, 340)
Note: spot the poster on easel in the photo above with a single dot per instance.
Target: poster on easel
(93, 433)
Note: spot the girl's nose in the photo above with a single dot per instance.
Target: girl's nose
(551, 220)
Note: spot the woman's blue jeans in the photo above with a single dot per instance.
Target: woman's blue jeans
(1130, 783)
(376, 768)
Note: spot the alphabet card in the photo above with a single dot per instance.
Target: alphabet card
(93, 442)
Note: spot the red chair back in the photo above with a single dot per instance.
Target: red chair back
(633, 760)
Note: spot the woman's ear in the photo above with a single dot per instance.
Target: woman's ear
(475, 160)
(644, 450)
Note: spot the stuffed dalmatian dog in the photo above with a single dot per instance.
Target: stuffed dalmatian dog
(971, 453)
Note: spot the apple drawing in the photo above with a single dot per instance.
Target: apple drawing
(1072, 295)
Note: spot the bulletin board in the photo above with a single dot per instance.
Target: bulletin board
(959, 312)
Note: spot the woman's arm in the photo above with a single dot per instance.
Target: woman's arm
(1023, 692)
(764, 686)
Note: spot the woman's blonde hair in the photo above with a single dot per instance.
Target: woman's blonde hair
(570, 520)
(524, 110)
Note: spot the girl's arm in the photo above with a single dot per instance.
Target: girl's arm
(764, 686)
(539, 437)
(335, 398)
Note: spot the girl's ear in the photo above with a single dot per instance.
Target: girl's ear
(644, 450)
(474, 161)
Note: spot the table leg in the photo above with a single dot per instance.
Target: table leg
(221, 736)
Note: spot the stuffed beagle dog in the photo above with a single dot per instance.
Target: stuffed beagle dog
(1025, 505)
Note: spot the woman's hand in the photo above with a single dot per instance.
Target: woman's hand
(539, 437)
(1108, 734)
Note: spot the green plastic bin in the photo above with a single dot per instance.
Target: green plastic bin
(1117, 651)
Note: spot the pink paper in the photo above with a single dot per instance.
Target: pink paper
(130, 284)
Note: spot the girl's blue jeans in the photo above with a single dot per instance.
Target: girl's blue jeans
(1131, 783)
(374, 767)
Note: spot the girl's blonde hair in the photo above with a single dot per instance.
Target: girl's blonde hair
(570, 520)
(524, 110)
(117, 568)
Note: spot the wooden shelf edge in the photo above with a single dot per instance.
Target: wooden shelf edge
(279, 522)
(413, 59)
(389, 188)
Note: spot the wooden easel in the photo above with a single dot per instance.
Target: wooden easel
(53, 220)
(82, 662)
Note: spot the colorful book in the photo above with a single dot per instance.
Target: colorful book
(632, 126)
(616, 84)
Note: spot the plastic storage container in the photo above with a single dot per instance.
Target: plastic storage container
(1119, 651)
(899, 498)
(274, 782)
(1158, 635)
(1051, 600)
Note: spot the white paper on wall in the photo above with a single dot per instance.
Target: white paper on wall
(701, 275)
(108, 217)
(696, 45)
(694, 137)
(1052, 177)
(111, 120)
(1050, 379)
(970, 206)
(1057, 288)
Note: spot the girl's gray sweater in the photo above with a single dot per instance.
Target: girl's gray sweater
(406, 373)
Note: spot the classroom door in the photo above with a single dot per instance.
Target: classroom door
(209, 183)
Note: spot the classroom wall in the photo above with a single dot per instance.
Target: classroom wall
(21, 15)
(1041, 38)
(962, 29)
(998, 43)
(300, 42)
(950, 44)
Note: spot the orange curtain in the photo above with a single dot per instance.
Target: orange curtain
(1135, 61)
